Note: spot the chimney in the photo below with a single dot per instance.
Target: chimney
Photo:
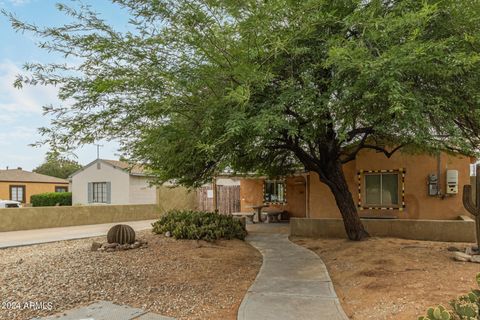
(19, 168)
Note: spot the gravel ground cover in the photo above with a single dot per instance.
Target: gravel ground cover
(387, 278)
(178, 278)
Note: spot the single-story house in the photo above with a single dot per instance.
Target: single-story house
(20, 185)
(112, 182)
(404, 186)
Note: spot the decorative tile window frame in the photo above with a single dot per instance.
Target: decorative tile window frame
(400, 171)
(284, 191)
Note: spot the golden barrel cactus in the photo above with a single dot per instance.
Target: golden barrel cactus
(121, 234)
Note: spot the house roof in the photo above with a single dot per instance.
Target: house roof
(19, 175)
(133, 170)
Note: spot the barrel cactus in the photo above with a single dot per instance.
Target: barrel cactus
(121, 234)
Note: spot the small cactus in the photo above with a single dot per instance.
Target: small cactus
(466, 307)
(121, 234)
(438, 313)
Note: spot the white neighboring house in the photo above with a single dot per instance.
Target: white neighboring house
(111, 182)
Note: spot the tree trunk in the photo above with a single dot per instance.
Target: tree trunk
(335, 179)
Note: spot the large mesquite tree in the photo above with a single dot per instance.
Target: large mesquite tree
(266, 86)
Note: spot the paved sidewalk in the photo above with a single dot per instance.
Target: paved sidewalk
(29, 237)
(293, 283)
(104, 310)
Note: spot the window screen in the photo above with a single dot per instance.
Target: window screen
(381, 189)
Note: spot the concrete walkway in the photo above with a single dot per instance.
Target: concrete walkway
(29, 237)
(293, 283)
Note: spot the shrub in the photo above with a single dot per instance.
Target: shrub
(50, 199)
(199, 225)
(465, 307)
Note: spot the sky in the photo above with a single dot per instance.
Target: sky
(21, 110)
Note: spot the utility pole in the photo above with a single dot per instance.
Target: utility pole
(98, 150)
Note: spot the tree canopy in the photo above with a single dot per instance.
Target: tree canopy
(266, 86)
(57, 166)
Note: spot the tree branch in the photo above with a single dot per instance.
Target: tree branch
(352, 155)
(387, 153)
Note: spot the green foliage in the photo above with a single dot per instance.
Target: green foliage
(465, 307)
(438, 313)
(198, 225)
(192, 87)
(56, 166)
(50, 199)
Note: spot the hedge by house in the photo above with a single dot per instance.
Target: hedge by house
(199, 225)
(50, 199)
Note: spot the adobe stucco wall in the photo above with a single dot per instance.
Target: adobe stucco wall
(251, 193)
(141, 192)
(52, 217)
(418, 204)
(31, 188)
(176, 198)
(430, 230)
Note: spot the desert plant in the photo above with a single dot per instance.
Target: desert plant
(199, 225)
(438, 313)
(473, 207)
(465, 307)
(121, 234)
(51, 199)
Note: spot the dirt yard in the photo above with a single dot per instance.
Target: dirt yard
(393, 278)
(182, 279)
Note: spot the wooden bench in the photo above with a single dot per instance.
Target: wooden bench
(248, 215)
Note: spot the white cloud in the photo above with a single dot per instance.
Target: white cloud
(6, 119)
(15, 102)
(18, 135)
(18, 2)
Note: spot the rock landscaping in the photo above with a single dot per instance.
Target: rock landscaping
(183, 279)
(110, 247)
(469, 255)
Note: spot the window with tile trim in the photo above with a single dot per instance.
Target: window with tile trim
(274, 191)
(381, 190)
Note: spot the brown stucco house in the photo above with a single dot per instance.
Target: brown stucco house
(404, 186)
(20, 185)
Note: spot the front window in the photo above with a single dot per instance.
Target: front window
(99, 192)
(381, 190)
(274, 191)
(17, 193)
